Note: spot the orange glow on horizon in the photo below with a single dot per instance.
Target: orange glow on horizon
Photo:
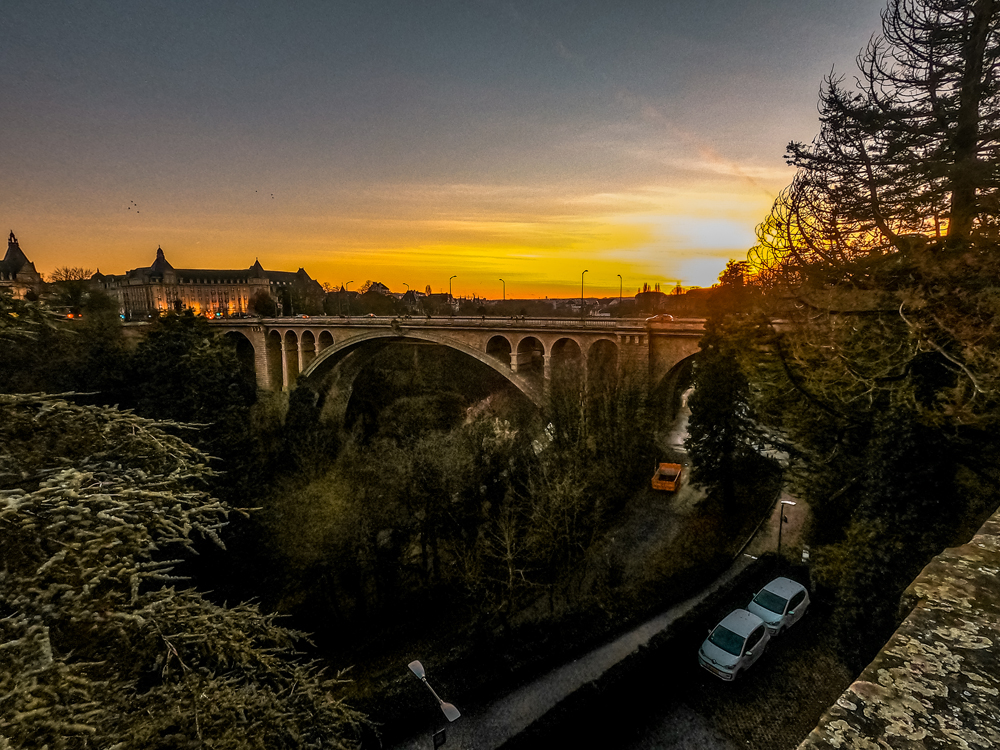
(537, 239)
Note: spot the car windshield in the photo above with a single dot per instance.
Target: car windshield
(770, 601)
(727, 640)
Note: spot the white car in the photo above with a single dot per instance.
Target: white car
(780, 604)
(734, 644)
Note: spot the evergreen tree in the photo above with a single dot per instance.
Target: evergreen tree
(100, 647)
(184, 372)
(881, 261)
(908, 151)
(720, 428)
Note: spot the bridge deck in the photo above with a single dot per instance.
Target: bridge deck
(576, 324)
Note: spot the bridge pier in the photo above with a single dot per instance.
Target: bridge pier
(258, 340)
(307, 349)
(520, 360)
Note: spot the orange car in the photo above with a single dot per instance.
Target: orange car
(668, 477)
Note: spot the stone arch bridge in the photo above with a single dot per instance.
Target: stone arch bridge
(326, 352)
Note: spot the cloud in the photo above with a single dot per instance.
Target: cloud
(710, 161)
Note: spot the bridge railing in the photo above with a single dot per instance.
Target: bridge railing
(517, 322)
(483, 322)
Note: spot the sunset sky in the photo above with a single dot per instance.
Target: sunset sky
(407, 141)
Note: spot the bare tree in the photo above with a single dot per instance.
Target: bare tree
(67, 273)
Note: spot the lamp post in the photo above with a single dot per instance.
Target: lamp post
(781, 522)
(581, 293)
(504, 289)
(620, 282)
(449, 286)
(346, 291)
(450, 712)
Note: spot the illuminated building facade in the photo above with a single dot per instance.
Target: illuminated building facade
(158, 288)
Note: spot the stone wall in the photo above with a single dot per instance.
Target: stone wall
(936, 683)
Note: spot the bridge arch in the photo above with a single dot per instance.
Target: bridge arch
(602, 364)
(566, 349)
(336, 367)
(499, 348)
(245, 351)
(567, 367)
(665, 394)
(325, 340)
(275, 371)
(291, 357)
(529, 360)
(307, 348)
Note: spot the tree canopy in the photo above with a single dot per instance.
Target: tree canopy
(880, 265)
(908, 150)
(892, 215)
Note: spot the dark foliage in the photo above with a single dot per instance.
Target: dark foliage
(98, 642)
(880, 263)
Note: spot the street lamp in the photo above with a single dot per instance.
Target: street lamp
(581, 293)
(347, 291)
(504, 289)
(451, 713)
(781, 522)
(620, 282)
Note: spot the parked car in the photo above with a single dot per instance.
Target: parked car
(734, 644)
(667, 477)
(780, 604)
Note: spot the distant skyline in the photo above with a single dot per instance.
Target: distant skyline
(407, 142)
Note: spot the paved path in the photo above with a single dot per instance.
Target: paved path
(515, 712)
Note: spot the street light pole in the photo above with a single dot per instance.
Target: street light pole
(449, 286)
(620, 282)
(347, 291)
(781, 522)
(450, 712)
(504, 289)
(581, 293)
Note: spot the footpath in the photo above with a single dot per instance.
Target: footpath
(490, 727)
